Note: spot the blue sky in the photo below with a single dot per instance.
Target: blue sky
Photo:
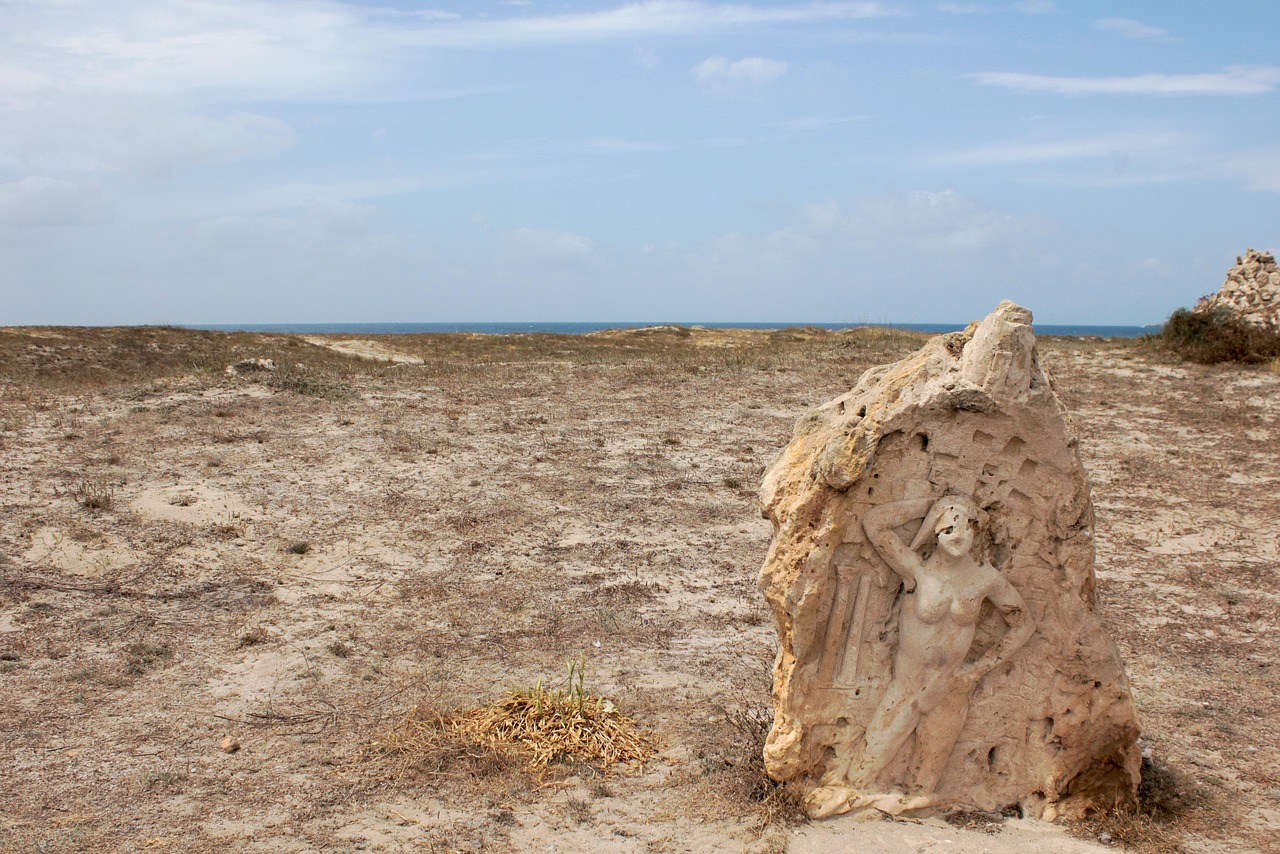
(222, 161)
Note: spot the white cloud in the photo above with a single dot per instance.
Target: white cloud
(719, 75)
(942, 224)
(958, 8)
(84, 132)
(920, 255)
(649, 18)
(1236, 80)
(1130, 29)
(646, 57)
(88, 86)
(1155, 265)
(1057, 150)
(1257, 170)
(327, 49)
(548, 244)
(328, 226)
(39, 202)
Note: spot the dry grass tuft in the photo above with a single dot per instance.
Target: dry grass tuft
(737, 770)
(539, 726)
(1167, 800)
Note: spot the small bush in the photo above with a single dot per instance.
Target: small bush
(738, 768)
(94, 495)
(253, 637)
(1210, 337)
(139, 657)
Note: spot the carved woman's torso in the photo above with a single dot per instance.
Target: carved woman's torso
(957, 596)
(939, 618)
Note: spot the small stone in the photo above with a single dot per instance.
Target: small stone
(249, 366)
(229, 745)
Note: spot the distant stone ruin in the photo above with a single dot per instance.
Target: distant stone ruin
(1251, 291)
(931, 576)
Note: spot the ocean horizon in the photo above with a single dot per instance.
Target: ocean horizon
(581, 328)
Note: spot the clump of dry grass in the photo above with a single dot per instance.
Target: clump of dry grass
(1166, 803)
(736, 771)
(538, 726)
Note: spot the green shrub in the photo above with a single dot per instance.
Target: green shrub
(1219, 335)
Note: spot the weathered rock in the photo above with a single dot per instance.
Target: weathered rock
(249, 366)
(1251, 291)
(958, 661)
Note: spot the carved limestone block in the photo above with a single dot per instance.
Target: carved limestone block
(931, 576)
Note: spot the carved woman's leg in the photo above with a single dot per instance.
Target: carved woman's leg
(936, 736)
(894, 721)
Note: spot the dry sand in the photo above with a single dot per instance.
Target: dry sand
(294, 561)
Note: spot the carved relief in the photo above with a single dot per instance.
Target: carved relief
(931, 575)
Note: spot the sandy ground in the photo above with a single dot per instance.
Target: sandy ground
(296, 561)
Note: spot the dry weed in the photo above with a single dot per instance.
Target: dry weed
(539, 726)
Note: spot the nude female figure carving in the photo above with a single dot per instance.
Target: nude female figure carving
(932, 683)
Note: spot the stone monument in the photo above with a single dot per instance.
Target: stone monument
(931, 576)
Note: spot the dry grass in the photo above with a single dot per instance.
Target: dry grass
(1169, 804)
(538, 727)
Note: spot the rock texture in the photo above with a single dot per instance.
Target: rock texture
(1252, 291)
(931, 576)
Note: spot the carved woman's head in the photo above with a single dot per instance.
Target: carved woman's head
(953, 519)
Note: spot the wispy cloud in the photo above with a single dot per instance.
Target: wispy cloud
(721, 76)
(83, 132)
(1258, 170)
(1060, 150)
(548, 244)
(39, 202)
(321, 48)
(1236, 80)
(1036, 7)
(814, 124)
(958, 8)
(616, 145)
(1130, 29)
(649, 18)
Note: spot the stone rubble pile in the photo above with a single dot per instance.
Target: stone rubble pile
(1252, 291)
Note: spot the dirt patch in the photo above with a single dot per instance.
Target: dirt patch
(296, 570)
(364, 348)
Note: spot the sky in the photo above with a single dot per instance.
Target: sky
(904, 161)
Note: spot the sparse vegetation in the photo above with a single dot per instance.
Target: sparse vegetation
(253, 637)
(1210, 337)
(540, 725)
(140, 657)
(1166, 799)
(94, 494)
(736, 767)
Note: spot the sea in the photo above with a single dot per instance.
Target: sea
(1082, 331)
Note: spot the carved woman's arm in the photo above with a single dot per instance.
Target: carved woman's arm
(879, 523)
(1021, 627)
